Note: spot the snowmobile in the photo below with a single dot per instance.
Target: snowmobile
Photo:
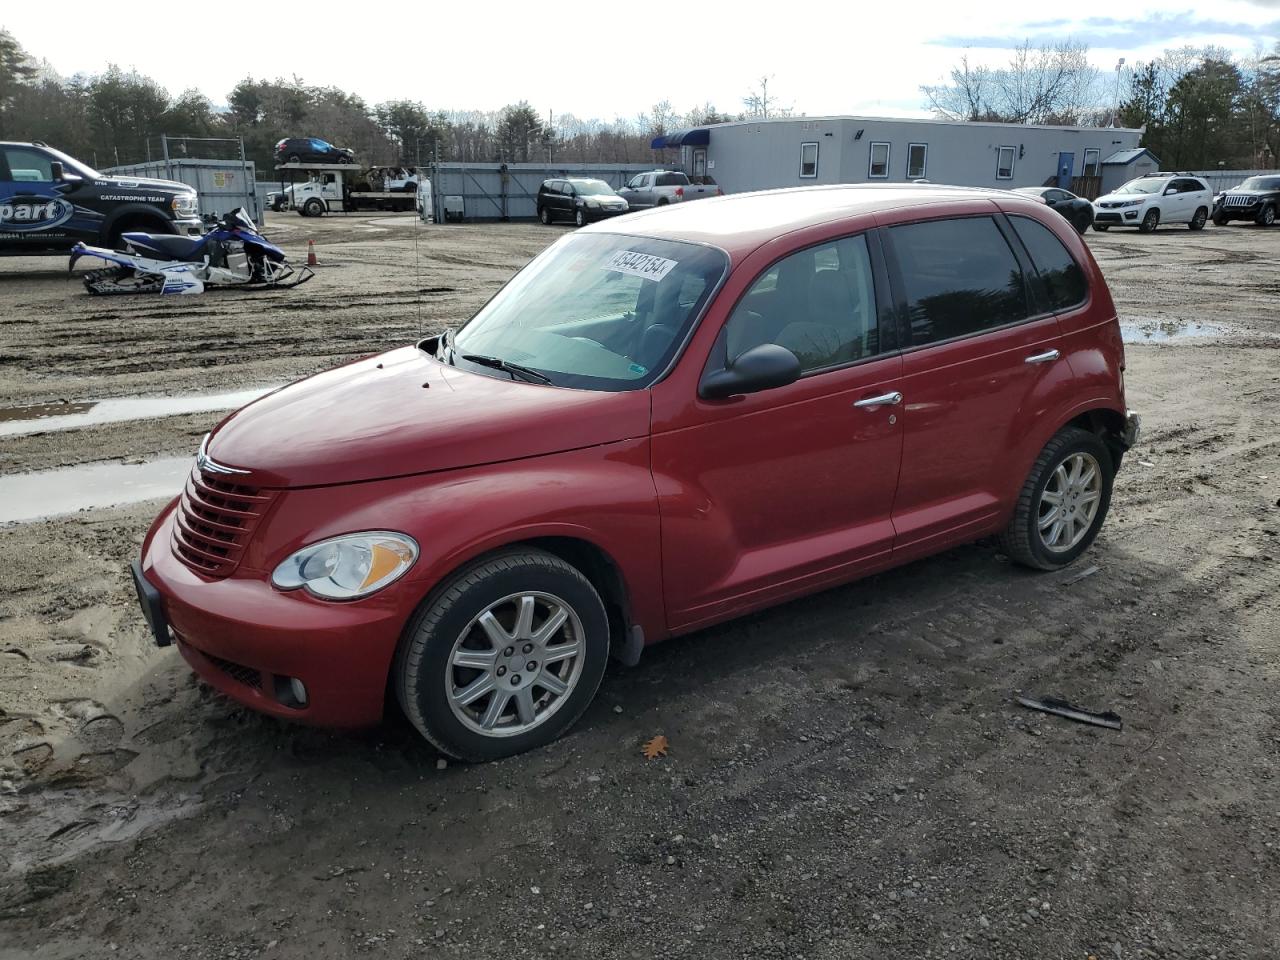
(232, 254)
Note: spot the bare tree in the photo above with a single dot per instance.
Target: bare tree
(1053, 83)
(761, 104)
(966, 97)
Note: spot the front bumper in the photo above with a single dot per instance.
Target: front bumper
(1249, 213)
(248, 640)
(593, 215)
(1117, 218)
(189, 228)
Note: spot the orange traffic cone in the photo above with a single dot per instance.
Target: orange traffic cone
(311, 253)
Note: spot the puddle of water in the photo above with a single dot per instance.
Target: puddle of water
(51, 493)
(44, 417)
(1167, 331)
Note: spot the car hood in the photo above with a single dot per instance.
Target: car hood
(404, 413)
(1237, 192)
(1123, 197)
(145, 183)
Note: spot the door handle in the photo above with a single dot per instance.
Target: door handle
(869, 403)
(1045, 357)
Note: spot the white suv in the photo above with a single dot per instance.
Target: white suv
(1155, 199)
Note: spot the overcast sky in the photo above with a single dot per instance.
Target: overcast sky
(825, 58)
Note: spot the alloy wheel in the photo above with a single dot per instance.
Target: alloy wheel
(1069, 502)
(515, 664)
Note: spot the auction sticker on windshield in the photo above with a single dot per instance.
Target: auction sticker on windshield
(640, 265)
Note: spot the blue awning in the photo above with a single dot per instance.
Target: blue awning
(696, 137)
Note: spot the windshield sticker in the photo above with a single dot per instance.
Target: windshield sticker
(638, 370)
(640, 265)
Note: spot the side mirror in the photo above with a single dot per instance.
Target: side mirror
(760, 368)
(60, 175)
(1170, 191)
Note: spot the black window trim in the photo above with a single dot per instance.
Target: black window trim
(1040, 296)
(899, 286)
(816, 151)
(887, 330)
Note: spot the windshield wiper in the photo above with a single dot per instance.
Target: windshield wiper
(497, 363)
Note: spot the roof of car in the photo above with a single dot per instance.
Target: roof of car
(741, 222)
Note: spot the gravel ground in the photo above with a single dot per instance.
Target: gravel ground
(848, 775)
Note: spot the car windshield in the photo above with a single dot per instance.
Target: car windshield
(1260, 183)
(595, 311)
(1143, 185)
(592, 188)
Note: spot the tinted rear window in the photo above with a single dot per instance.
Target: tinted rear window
(1060, 278)
(672, 180)
(961, 277)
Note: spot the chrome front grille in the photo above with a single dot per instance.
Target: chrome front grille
(214, 521)
(1238, 200)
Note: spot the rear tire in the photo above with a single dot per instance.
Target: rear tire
(293, 158)
(1150, 222)
(1198, 221)
(1050, 501)
(477, 616)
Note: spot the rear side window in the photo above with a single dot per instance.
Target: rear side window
(1059, 277)
(672, 180)
(961, 278)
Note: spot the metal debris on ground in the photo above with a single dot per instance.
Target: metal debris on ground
(1086, 572)
(1061, 708)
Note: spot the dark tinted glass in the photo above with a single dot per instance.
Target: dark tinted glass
(1060, 278)
(672, 179)
(961, 278)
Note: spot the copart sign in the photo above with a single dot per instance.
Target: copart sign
(25, 214)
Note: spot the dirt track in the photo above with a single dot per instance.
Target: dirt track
(848, 775)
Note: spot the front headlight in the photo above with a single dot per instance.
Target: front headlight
(593, 203)
(348, 567)
(1133, 203)
(186, 205)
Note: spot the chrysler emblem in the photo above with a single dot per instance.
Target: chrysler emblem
(206, 463)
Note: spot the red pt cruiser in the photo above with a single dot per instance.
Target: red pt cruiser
(662, 422)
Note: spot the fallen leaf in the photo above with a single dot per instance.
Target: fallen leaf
(657, 747)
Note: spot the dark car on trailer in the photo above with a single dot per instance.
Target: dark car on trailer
(1077, 210)
(1257, 199)
(580, 199)
(312, 150)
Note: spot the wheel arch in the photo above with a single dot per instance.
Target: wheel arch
(598, 565)
(135, 216)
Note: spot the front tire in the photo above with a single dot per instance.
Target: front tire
(544, 214)
(1198, 221)
(1102, 227)
(505, 656)
(580, 217)
(1063, 503)
(1267, 217)
(312, 208)
(1150, 222)
(1219, 221)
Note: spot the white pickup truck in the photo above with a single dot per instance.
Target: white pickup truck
(657, 188)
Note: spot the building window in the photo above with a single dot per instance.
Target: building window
(808, 160)
(917, 154)
(1091, 164)
(878, 169)
(1004, 165)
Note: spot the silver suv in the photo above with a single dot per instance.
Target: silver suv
(1156, 199)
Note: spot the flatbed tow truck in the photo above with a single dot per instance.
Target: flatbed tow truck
(314, 189)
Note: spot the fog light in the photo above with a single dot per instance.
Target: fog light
(1131, 215)
(299, 691)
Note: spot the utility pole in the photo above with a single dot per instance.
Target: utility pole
(1115, 114)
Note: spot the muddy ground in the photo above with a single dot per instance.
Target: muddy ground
(848, 775)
